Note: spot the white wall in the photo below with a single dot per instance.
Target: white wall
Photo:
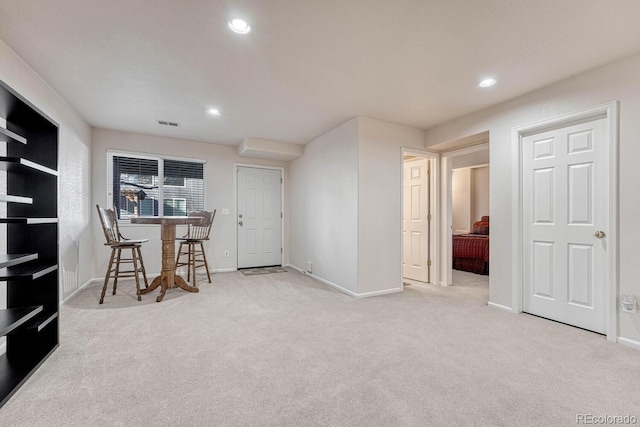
(220, 193)
(619, 81)
(380, 202)
(323, 211)
(461, 200)
(74, 165)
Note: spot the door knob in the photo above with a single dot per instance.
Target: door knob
(240, 223)
(599, 234)
(240, 216)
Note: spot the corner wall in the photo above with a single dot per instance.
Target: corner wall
(380, 203)
(323, 214)
(618, 81)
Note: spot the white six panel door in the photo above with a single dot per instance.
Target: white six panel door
(565, 204)
(259, 217)
(415, 224)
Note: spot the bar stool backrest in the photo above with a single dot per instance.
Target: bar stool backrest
(109, 225)
(201, 232)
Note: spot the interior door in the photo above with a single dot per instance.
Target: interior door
(415, 220)
(565, 224)
(259, 219)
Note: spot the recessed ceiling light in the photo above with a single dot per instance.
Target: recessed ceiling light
(214, 112)
(239, 26)
(487, 82)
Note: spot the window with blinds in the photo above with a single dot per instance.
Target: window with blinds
(142, 186)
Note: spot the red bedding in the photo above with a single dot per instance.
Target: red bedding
(471, 253)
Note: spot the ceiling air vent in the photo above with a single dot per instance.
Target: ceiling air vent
(166, 123)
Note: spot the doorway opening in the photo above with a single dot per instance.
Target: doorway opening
(471, 228)
(465, 233)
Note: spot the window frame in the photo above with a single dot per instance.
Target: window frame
(160, 158)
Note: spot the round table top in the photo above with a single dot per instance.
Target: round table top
(167, 220)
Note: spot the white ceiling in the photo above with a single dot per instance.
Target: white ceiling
(307, 65)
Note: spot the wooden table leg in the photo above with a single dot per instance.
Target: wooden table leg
(168, 279)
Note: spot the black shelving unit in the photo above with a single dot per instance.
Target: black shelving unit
(29, 148)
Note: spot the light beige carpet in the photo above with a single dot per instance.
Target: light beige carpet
(284, 350)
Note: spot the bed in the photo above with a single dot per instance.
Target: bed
(471, 251)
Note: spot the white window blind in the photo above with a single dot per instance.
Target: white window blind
(142, 186)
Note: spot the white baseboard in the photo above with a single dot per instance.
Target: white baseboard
(376, 293)
(321, 280)
(89, 282)
(223, 270)
(629, 342)
(344, 290)
(500, 307)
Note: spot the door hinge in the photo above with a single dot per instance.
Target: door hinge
(281, 181)
(428, 263)
(281, 215)
(429, 217)
(281, 251)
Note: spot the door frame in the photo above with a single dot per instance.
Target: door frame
(447, 204)
(610, 112)
(235, 204)
(434, 226)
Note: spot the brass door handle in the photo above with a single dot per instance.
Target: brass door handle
(599, 234)
(240, 223)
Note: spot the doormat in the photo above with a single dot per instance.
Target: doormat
(263, 270)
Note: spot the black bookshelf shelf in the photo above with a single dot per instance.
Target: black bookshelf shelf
(10, 260)
(16, 199)
(12, 318)
(30, 271)
(18, 164)
(25, 220)
(7, 136)
(41, 321)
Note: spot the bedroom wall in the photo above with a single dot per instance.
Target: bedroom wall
(470, 197)
(74, 167)
(220, 193)
(618, 81)
(323, 215)
(461, 196)
(479, 193)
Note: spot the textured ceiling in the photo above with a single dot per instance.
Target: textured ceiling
(307, 65)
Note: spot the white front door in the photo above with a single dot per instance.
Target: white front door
(415, 220)
(259, 217)
(565, 224)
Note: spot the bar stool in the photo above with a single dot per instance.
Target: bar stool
(194, 239)
(117, 242)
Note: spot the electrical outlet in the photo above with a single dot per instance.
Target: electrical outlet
(628, 303)
(320, 260)
(226, 254)
(225, 211)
